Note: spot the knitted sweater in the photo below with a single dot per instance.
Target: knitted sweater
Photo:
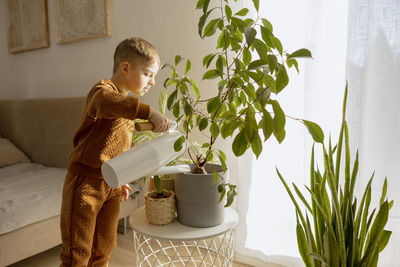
(106, 128)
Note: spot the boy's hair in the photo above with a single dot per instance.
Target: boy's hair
(132, 49)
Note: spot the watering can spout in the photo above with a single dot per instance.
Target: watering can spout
(146, 159)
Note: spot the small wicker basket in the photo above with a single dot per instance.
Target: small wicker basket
(160, 211)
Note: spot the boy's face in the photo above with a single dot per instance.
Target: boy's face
(140, 76)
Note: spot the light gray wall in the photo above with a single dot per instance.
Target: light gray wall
(71, 69)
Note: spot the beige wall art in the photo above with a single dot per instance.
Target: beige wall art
(27, 27)
(82, 19)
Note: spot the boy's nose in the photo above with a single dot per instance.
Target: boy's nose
(152, 82)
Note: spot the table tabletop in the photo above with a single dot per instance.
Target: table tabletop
(175, 231)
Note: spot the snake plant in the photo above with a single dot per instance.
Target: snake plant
(342, 231)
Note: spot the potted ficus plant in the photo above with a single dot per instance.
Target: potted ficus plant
(250, 68)
(342, 232)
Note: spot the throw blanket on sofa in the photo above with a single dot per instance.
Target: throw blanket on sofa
(29, 193)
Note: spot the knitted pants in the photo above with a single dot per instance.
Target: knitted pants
(89, 221)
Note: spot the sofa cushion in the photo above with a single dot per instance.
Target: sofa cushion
(42, 128)
(29, 193)
(10, 154)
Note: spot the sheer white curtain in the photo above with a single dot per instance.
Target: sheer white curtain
(356, 41)
(373, 71)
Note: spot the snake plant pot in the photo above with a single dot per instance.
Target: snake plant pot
(160, 209)
(197, 198)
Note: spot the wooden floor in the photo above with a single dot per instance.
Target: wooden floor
(123, 256)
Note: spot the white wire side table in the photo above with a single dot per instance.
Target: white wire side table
(177, 245)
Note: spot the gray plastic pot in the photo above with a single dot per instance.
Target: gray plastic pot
(197, 199)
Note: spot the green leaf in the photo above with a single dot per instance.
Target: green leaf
(166, 65)
(384, 239)
(205, 5)
(187, 108)
(293, 62)
(228, 12)
(223, 40)
(214, 130)
(263, 95)
(278, 122)
(282, 79)
(278, 45)
(162, 101)
(203, 124)
(178, 143)
(257, 64)
(222, 191)
(318, 257)
(251, 123)
(240, 143)
(200, 4)
(227, 129)
(219, 64)
(267, 24)
(211, 27)
(188, 65)
(178, 59)
(272, 62)
(215, 177)
(256, 4)
(239, 23)
(195, 88)
(210, 155)
(261, 48)
(223, 163)
(237, 36)
(246, 56)
(315, 131)
(222, 155)
(211, 74)
(250, 34)
(213, 104)
(242, 12)
(384, 191)
(176, 110)
(376, 230)
(331, 247)
(172, 99)
(302, 243)
(300, 53)
(230, 196)
(256, 144)
(302, 198)
(267, 35)
(266, 124)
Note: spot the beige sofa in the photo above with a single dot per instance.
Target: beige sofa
(43, 130)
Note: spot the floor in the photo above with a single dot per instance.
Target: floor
(123, 256)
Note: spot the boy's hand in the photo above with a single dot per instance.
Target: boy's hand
(160, 122)
(125, 189)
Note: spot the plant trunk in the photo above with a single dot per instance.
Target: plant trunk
(199, 170)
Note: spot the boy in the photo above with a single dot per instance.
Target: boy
(90, 208)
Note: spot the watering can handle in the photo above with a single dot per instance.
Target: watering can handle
(144, 126)
(148, 126)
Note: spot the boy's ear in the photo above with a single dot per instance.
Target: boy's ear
(124, 67)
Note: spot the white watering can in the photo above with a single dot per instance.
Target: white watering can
(146, 159)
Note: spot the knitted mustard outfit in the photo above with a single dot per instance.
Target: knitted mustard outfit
(90, 208)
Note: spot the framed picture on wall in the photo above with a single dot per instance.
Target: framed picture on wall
(79, 20)
(27, 27)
